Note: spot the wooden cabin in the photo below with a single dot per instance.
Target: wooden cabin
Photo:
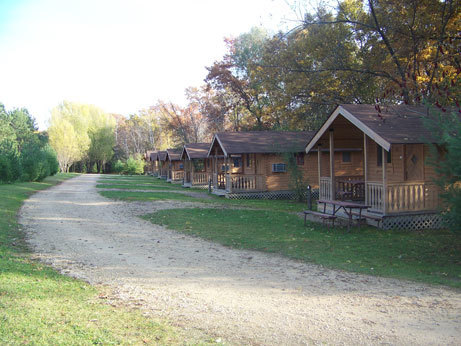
(197, 165)
(253, 163)
(162, 165)
(387, 157)
(154, 163)
(148, 167)
(175, 166)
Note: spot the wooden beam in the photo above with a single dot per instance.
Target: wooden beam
(332, 165)
(319, 162)
(365, 164)
(384, 158)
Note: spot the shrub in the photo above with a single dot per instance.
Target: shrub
(134, 166)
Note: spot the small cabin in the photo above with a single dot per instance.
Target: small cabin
(162, 165)
(384, 154)
(154, 163)
(175, 166)
(253, 163)
(197, 165)
(148, 163)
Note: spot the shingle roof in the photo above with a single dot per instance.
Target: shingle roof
(161, 155)
(263, 141)
(174, 154)
(396, 124)
(196, 150)
(153, 156)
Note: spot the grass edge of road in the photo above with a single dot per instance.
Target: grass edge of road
(38, 305)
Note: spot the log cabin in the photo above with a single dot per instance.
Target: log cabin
(197, 165)
(148, 167)
(387, 153)
(162, 165)
(175, 166)
(252, 163)
(154, 163)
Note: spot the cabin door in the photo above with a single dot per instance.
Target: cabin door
(414, 161)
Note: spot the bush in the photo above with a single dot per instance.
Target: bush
(10, 165)
(134, 166)
(118, 167)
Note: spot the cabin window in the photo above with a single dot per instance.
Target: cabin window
(279, 167)
(299, 159)
(379, 158)
(346, 156)
(237, 162)
(224, 168)
(247, 159)
(181, 166)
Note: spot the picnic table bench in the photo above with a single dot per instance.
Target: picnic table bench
(323, 216)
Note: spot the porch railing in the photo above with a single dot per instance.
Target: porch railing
(412, 197)
(176, 175)
(403, 197)
(325, 188)
(374, 196)
(200, 178)
(244, 182)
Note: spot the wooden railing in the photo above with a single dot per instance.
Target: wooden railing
(200, 178)
(244, 182)
(176, 175)
(350, 187)
(325, 188)
(374, 196)
(412, 197)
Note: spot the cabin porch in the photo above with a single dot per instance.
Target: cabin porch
(393, 182)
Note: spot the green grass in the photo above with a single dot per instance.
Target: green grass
(430, 256)
(135, 186)
(40, 306)
(148, 196)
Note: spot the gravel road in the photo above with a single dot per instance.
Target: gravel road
(241, 297)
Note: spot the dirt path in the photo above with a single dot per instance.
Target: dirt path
(242, 297)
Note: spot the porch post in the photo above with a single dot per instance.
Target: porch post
(365, 165)
(226, 174)
(319, 162)
(384, 158)
(332, 166)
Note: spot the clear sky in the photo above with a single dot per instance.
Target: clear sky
(121, 55)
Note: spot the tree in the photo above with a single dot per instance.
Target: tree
(65, 141)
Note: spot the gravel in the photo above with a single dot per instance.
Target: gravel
(239, 297)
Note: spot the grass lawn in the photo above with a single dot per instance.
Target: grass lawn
(137, 186)
(131, 182)
(40, 306)
(148, 196)
(430, 256)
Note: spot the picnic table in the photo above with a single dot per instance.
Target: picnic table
(350, 208)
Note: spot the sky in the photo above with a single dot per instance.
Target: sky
(120, 55)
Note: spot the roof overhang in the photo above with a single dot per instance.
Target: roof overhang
(216, 139)
(184, 154)
(360, 125)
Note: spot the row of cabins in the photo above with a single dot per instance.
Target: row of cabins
(378, 160)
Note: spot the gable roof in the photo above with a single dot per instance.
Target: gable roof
(161, 155)
(260, 142)
(153, 156)
(394, 125)
(195, 151)
(173, 154)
